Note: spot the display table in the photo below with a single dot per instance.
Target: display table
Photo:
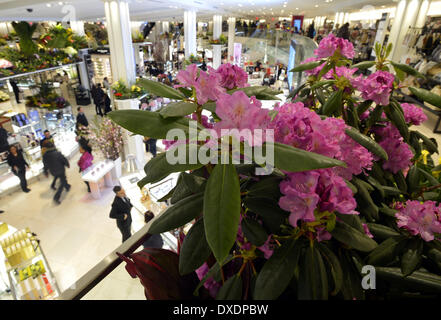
(27, 269)
(97, 172)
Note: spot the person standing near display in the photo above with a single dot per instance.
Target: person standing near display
(107, 103)
(55, 163)
(100, 99)
(150, 145)
(4, 144)
(16, 90)
(106, 85)
(18, 165)
(81, 118)
(343, 32)
(121, 208)
(85, 162)
(47, 137)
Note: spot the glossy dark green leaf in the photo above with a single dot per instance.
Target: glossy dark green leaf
(401, 181)
(254, 231)
(363, 106)
(322, 84)
(334, 265)
(366, 204)
(178, 109)
(413, 179)
(210, 106)
(387, 211)
(412, 255)
(149, 124)
(159, 167)
(261, 93)
(353, 237)
(222, 209)
(428, 143)
(395, 114)
(277, 271)
(385, 252)
(367, 142)
(313, 281)
(418, 280)
(363, 65)
(427, 96)
(431, 179)
(375, 116)
(161, 90)
(391, 191)
(306, 66)
(295, 160)
(231, 290)
(381, 232)
(407, 69)
(178, 214)
(320, 96)
(195, 250)
(333, 103)
(267, 187)
(269, 210)
(377, 185)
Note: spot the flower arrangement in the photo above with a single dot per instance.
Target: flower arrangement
(4, 96)
(138, 37)
(121, 91)
(222, 40)
(107, 137)
(353, 184)
(46, 98)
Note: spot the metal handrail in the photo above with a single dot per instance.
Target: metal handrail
(94, 276)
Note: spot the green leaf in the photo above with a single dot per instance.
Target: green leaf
(427, 96)
(363, 65)
(362, 107)
(293, 93)
(387, 211)
(320, 96)
(375, 116)
(395, 114)
(195, 250)
(214, 272)
(158, 168)
(210, 106)
(322, 84)
(385, 252)
(178, 109)
(306, 66)
(366, 205)
(381, 232)
(269, 210)
(178, 214)
(413, 179)
(367, 142)
(377, 185)
(412, 256)
(277, 271)
(159, 89)
(407, 69)
(429, 177)
(334, 265)
(352, 220)
(261, 93)
(428, 143)
(418, 280)
(222, 209)
(352, 187)
(353, 237)
(296, 160)
(149, 124)
(391, 191)
(325, 69)
(187, 92)
(313, 281)
(267, 187)
(231, 290)
(400, 181)
(333, 103)
(254, 231)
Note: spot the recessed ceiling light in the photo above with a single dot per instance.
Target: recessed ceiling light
(297, 8)
(240, 5)
(284, 5)
(316, 6)
(60, 3)
(48, 5)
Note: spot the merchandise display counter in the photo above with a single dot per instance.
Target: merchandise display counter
(24, 270)
(95, 173)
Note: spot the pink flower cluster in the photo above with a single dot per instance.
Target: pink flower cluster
(397, 150)
(304, 192)
(377, 87)
(238, 111)
(302, 128)
(418, 218)
(330, 44)
(211, 285)
(413, 114)
(316, 70)
(207, 85)
(232, 76)
(266, 248)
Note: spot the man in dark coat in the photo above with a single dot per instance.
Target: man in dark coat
(100, 99)
(343, 32)
(121, 208)
(55, 163)
(18, 166)
(81, 118)
(4, 145)
(16, 90)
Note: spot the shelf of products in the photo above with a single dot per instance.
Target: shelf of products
(101, 68)
(25, 266)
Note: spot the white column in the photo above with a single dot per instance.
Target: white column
(396, 26)
(190, 33)
(217, 49)
(341, 18)
(77, 27)
(422, 14)
(409, 20)
(165, 26)
(120, 41)
(231, 34)
(346, 18)
(337, 16)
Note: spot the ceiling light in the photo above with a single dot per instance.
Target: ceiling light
(60, 3)
(240, 5)
(284, 5)
(48, 5)
(316, 6)
(297, 8)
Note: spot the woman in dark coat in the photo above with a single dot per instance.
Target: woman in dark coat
(18, 165)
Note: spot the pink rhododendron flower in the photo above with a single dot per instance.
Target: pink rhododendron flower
(211, 285)
(322, 234)
(330, 44)
(413, 114)
(367, 231)
(420, 218)
(232, 76)
(376, 87)
(238, 111)
(266, 248)
(303, 192)
(397, 150)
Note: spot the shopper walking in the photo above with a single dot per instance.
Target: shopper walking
(121, 208)
(16, 90)
(18, 166)
(96, 101)
(311, 31)
(55, 163)
(100, 99)
(107, 103)
(81, 118)
(343, 32)
(85, 162)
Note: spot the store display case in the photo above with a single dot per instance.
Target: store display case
(25, 266)
(101, 67)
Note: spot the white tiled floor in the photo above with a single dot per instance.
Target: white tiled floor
(77, 234)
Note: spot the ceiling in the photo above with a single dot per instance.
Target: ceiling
(157, 10)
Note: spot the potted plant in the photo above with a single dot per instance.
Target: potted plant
(352, 184)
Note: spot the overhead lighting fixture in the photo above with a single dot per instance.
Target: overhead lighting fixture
(297, 8)
(48, 5)
(60, 3)
(240, 5)
(316, 6)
